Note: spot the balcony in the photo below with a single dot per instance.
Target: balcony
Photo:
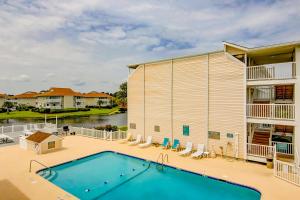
(271, 111)
(278, 71)
(58, 100)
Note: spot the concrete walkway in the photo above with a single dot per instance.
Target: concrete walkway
(16, 183)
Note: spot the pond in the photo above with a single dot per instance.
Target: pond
(79, 121)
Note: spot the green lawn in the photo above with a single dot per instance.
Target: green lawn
(29, 114)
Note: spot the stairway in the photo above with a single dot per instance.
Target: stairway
(261, 137)
(284, 92)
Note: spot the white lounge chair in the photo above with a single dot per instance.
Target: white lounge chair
(127, 139)
(199, 152)
(137, 141)
(5, 138)
(147, 143)
(188, 149)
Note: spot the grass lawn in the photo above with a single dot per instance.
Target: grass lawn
(29, 114)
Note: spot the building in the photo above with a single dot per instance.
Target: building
(41, 142)
(27, 98)
(2, 99)
(93, 98)
(238, 101)
(60, 98)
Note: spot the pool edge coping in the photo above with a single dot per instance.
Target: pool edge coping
(188, 171)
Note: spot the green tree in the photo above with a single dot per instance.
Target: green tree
(7, 105)
(100, 102)
(121, 95)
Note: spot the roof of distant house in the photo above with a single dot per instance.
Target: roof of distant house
(59, 92)
(38, 136)
(26, 95)
(96, 94)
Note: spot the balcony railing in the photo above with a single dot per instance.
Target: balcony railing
(58, 100)
(271, 111)
(284, 147)
(272, 71)
(259, 150)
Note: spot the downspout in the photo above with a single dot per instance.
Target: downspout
(172, 118)
(207, 101)
(144, 101)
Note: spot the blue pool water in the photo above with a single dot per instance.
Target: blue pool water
(109, 175)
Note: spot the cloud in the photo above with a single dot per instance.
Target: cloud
(18, 78)
(83, 43)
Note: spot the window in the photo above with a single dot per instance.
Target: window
(214, 135)
(230, 135)
(186, 130)
(157, 128)
(51, 145)
(132, 126)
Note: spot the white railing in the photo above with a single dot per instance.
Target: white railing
(284, 147)
(287, 171)
(271, 111)
(259, 150)
(272, 71)
(20, 128)
(99, 134)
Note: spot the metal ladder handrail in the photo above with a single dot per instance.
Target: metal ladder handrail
(163, 158)
(50, 170)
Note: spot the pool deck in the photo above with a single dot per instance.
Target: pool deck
(16, 183)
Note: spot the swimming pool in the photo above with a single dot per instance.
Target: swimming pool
(111, 175)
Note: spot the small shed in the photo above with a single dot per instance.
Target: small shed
(41, 142)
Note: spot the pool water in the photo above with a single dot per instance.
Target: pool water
(110, 175)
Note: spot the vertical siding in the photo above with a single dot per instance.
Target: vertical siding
(190, 99)
(158, 100)
(226, 99)
(68, 102)
(136, 101)
(1, 101)
(204, 94)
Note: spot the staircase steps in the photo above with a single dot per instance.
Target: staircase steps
(261, 137)
(284, 92)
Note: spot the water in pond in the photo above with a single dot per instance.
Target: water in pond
(81, 121)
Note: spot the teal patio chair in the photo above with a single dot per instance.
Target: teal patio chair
(165, 143)
(175, 145)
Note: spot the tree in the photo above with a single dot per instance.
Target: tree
(121, 95)
(7, 105)
(100, 102)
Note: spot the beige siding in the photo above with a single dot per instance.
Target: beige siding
(68, 102)
(1, 102)
(158, 100)
(226, 99)
(44, 146)
(91, 101)
(136, 101)
(204, 92)
(190, 99)
(27, 101)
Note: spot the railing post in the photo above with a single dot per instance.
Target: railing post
(111, 135)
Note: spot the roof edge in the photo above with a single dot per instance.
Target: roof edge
(133, 66)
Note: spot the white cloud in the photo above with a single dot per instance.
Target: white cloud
(87, 44)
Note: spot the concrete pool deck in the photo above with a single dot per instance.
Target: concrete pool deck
(16, 183)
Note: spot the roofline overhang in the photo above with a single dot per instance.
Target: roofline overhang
(134, 66)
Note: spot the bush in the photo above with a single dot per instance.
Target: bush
(107, 128)
(122, 110)
(22, 107)
(3, 110)
(53, 111)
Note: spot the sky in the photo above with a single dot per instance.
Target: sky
(87, 44)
